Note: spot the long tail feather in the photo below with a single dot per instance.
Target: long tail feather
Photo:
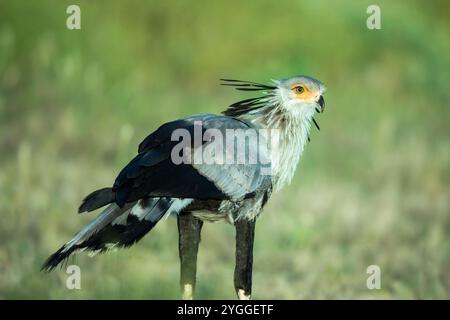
(117, 227)
(108, 215)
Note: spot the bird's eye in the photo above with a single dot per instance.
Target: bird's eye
(299, 89)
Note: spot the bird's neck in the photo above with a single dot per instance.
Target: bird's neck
(289, 134)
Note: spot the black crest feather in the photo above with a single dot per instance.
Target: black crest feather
(247, 105)
(244, 85)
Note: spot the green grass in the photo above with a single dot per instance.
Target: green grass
(371, 188)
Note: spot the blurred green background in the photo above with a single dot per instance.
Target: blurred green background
(371, 188)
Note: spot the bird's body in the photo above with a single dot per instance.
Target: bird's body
(166, 176)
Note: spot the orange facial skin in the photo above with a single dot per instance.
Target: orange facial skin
(305, 95)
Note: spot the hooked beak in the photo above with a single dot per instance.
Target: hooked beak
(321, 103)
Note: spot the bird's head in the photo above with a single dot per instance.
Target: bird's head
(300, 97)
(300, 94)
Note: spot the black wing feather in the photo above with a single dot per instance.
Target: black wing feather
(152, 172)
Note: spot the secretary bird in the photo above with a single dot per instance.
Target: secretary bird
(165, 177)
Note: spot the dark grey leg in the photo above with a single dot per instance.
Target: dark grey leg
(245, 234)
(189, 229)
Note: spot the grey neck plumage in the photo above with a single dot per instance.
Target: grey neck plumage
(287, 144)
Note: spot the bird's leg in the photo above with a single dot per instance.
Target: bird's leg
(245, 234)
(189, 229)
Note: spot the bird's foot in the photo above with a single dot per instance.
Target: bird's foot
(187, 292)
(242, 295)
